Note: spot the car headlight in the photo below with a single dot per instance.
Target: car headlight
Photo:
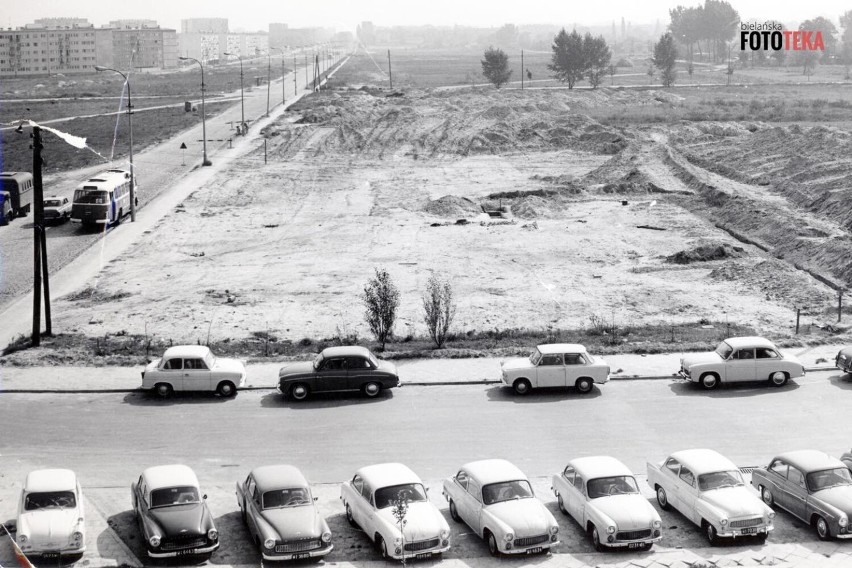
(771, 515)
(508, 537)
(610, 529)
(212, 534)
(326, 536)
(554, 529)
(154, 541)
(445, 534)
(843, 521)
(723, 521)
(269, 543)
(658, 524)
(77, 536)
(22, 538)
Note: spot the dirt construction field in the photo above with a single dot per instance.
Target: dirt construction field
(642, 224)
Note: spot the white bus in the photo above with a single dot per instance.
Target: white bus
(103, 199)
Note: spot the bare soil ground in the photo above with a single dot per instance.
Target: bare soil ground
(357, 179)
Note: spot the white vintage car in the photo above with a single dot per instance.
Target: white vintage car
(601, 494)
(496, 500)
(740, 359)
(50, 515)
(369, 502)
(193, 368)
(708, 489)
(555, 365)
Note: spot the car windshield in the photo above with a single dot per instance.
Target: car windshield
(290, 497)
(535, 357)
(373, 360)
(317, 361)
(410, 492)
(169, 496)
(606, 486)
(818, 480)
(96, 196)
(724, 350)
(505, 491)
(50, 500)
(52, 203)
(720, 479)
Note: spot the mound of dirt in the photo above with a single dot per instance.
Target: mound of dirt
(532, 207)
(705, 253)
(452, 206)
(777, 280)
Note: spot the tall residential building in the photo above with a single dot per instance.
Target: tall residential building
(134, 23)
(204, 26)
(212, 47)
(281, 35)
(60, 23)
(143, 48)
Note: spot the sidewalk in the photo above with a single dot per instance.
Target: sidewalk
(415, 372)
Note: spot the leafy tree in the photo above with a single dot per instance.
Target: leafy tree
(567, 62)
(597, 56)
(495, 67)
(828, 31)
(665, 55)
(381, 301)
(846, 38)
(439, 309)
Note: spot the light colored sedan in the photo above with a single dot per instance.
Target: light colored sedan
(50, 520)
(193, 368)
(601, 494)
(555, 365)
(370, 498)
(56, 209)
(281, 514)
(741, 359)
(496, 500)
(708, 489)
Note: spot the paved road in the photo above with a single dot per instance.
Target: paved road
(157, 168)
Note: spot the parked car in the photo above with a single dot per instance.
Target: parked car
(193, 368)
(555, 365)
(843, 361)
(369, 502)
(56, 209)
(50, 520)
(172, 513)
(812, 486)
(496, 500)
(601, 494)
(338, 369)
(708, 489)
(281, 514)
(740, 359)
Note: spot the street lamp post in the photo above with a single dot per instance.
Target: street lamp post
(205, 161)
(242, 97)
(130, 128)
(283, 83)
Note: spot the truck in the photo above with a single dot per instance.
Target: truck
(16, 195)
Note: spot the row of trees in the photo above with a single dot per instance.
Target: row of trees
(715, 23)
(381, 302)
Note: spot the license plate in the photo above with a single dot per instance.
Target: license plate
(188, 552)
(300, 556)
(423, 556)
(49, 555)
(750, 530)
(535, 550)
(636, 545)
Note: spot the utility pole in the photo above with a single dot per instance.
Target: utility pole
(268, 78)
(39, 245)
(295, 85)
(522, 69)
(317, 73)
(390, 73)
(306, 70)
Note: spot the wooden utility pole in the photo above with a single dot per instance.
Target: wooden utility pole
(522, 69)
(390, 73)
(839, 304)
(41, 278)
(295, 84)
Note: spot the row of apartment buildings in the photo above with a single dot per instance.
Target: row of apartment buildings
(73, 45)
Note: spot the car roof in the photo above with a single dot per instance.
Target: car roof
(704, 461)
(42, 480)
(161, 476)
(272, 477)
(387, 474)
(186, 351)
(739, 342)
(493, 471)
(562, 348)
(810, 460)
(599, 466)
(345, 350)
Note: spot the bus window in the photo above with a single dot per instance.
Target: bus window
(94, 196)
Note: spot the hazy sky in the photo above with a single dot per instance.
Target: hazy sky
(252, 15)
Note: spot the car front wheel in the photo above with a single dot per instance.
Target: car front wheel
(662, 498)
(778, 378)
(372, 389)
(299, 391)
(454, 512)
(822, 529)
(596, 540)
(349, 518)
(710, 381)
(493, 549)
(710, 531)
(766, 494)
(522, 387)
(226, 389)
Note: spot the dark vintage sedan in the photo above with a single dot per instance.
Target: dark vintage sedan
(843, 361)
(281, 515)
(172, 514)
(338, 369)
(813, 486)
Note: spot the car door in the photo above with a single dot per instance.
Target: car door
(358, 371)
(462, 498)
(797, 492)
(669, 475)
(776, 482)
(473, 506)
(740, 366)
(550, 371)
(196, 375)
(574, 498)
(687, 493)
(766, 362)
(331, 376)
(253, 506)
(575, 367)
(173, 372)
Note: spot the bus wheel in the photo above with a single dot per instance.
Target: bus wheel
(120, 217)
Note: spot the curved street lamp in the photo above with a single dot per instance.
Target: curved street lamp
(242, 98)
(205, 161)
(100, 68)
